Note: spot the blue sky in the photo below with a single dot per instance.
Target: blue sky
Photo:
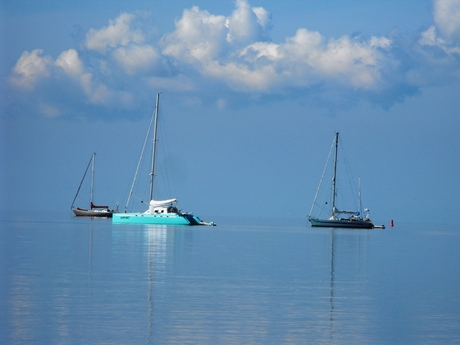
(252, 94)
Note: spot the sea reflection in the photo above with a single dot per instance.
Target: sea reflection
(88, 281)
(351, 309)
(331, 298)
(156, 239)
(253, 290)
(160, 284)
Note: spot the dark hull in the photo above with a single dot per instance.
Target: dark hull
(79, 212)
(341, 223)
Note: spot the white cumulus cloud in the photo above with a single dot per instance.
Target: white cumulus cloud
(30, 68)
(136, 58)
(70, 62)
(199, 36)
(445, 33)
(447, 18)
(236, 51)
(202, 37)
(117, 33)
(211, 54)
(247, 24)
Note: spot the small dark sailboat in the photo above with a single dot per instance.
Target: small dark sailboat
(94, 210)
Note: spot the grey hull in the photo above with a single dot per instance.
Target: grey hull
(79, 212)
(341, 223)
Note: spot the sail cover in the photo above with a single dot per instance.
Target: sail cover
(94, 206)
(156, 203)
(337, 211)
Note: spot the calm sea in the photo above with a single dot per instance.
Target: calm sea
(67, 280)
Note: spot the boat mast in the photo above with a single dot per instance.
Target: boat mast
(92, 180)
(154, 149)
(81, 182)
(360, 207)
(147, 135)
(335, 174)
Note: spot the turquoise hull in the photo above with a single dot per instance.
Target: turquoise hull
(160, 219)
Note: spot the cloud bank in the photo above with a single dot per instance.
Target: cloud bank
(215, 55)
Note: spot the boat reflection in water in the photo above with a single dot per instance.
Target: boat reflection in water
(348, 261)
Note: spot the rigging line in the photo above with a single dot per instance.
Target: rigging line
(139, 163)
(155, 139)
(158, 167)
(351, 179)
(164, 177)
(106, 183)
(165, 169)
(322, 209)
(168, 172)
(91, 195)
(160, 174)
(138, 198)
(322, 177)
(78, 190)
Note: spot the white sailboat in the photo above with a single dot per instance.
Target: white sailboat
(340, 218)
(162, 212)
(93, 210)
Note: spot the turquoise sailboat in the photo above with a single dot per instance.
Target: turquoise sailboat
(161, 212)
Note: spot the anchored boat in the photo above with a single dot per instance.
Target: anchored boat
(93, 211)
(340, 218)
(162, 212)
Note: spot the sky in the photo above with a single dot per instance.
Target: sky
(252, 93)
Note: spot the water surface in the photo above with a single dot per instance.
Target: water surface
(264, 281)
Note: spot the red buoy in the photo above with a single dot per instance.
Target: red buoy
(391, 223)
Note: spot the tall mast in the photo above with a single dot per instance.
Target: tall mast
(152, 174)
(147, 136)
(359, 197)
(92, 180)
(334, 178)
